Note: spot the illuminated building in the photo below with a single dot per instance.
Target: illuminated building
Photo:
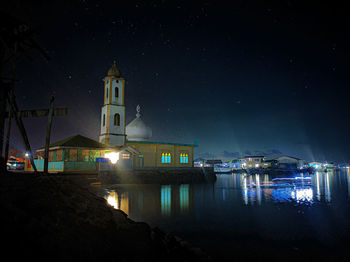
(253, 161)
(136, 135)
(126, 146)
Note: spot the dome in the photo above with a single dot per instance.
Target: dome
(137, 130)
(114, 71)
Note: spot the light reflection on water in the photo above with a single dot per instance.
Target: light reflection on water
(139, 201)
(238, 209)
(150, 200)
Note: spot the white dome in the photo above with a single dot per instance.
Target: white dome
(137, 130)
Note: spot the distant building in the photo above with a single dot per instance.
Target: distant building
(289, 162)
(320, 165)
(235, 164)
(271, 163)
(212, 162)
(252, 161)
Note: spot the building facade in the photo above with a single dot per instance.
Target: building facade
(113, 109)
(126, 146)
(136, 135)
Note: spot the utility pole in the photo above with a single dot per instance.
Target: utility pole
(48, 133)
(16, 42)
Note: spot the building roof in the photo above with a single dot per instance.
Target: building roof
(77, 141)
(161, 143)
(289, 157)
(137, 130)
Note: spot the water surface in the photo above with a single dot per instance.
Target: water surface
(249, 217)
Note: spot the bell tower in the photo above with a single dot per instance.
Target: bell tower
(113, 109)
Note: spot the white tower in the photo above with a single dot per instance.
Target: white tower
(113, 109)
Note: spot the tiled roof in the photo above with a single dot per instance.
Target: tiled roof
(78, 141)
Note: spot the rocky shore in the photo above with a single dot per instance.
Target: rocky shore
(58, 218)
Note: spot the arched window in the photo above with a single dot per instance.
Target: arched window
(166, 158)
(183, 158)
(116, 119)
(104, 120)
(116, 92)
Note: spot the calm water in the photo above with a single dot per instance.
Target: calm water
(248, 217)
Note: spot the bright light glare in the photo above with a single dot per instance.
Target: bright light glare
(305, 194)
(113, 156)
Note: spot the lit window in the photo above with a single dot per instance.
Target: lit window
(166, 158)
(183, 158)
(116, 119)
(126, 156)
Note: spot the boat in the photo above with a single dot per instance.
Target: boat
(218, 168)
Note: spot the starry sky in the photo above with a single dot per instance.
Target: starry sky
(237, 76)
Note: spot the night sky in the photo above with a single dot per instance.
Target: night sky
(237, 76)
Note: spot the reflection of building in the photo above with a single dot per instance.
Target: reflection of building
(257, 187)
(165, 199)
(119, 201)
(162, 200)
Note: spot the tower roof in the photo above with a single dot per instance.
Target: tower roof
(114, 71)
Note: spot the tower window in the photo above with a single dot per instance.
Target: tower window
(116, 92)
(116, 119)
(104, 120)
(106, 92)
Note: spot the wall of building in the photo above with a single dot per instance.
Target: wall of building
(68, 160)
(152, 154)
(253, 162)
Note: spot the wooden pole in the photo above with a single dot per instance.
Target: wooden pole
(3, 97)
(48, 133)
(8, 134)
(14, 107)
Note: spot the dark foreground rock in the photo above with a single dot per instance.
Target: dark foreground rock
(55, 218)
